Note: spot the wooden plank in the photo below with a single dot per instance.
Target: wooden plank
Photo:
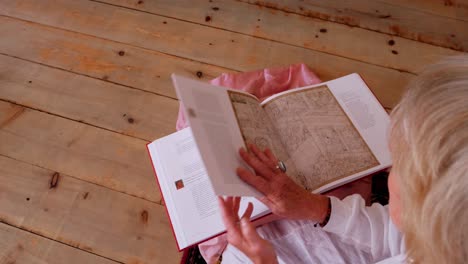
(21, 247)
(227, 49)
(311, 33)
(84, 215)
(103, 104)
(95, 155)
(381, 17)
(456, 9)
(135, 67)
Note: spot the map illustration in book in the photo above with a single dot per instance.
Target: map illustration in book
(293, 124)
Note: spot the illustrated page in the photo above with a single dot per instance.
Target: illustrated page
(318, 136)
(256, 126)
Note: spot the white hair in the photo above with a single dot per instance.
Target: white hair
(429, 139)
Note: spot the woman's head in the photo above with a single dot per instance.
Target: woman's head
(429, 143)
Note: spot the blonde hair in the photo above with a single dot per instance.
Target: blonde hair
(429, 141)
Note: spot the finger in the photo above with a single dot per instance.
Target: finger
(248, 230)
(225, 205)
(261, 168)
(234, 233)
(259, 183)
(248, 212)
(270, 155)
(236, 206)
(228, 217)
(228, 202)
(264, 158)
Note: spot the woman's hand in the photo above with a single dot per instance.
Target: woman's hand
(242, 234)
(281, 194)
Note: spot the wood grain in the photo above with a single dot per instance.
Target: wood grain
(106, 60)
(21, 247)
(88, 85)
(456, 9)
(381, 17)
(95, 155)
(84, 215)
(312, 33)
(118, 108)
(228, 49)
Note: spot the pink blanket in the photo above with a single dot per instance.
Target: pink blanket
(263, 83)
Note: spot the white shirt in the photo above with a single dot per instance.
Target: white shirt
(369, 228)
(354, 234)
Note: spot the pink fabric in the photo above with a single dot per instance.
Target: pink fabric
(263, 83)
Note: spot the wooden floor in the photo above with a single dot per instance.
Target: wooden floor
(85, 85)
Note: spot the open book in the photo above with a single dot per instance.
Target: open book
(327, 135)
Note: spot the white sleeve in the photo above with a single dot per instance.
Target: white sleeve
(369, 228)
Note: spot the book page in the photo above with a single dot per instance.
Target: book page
(189, 197)
(256, 127)
(211, 117)
(365, 112)
(319, 136)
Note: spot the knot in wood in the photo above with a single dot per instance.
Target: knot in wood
(54, 180)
